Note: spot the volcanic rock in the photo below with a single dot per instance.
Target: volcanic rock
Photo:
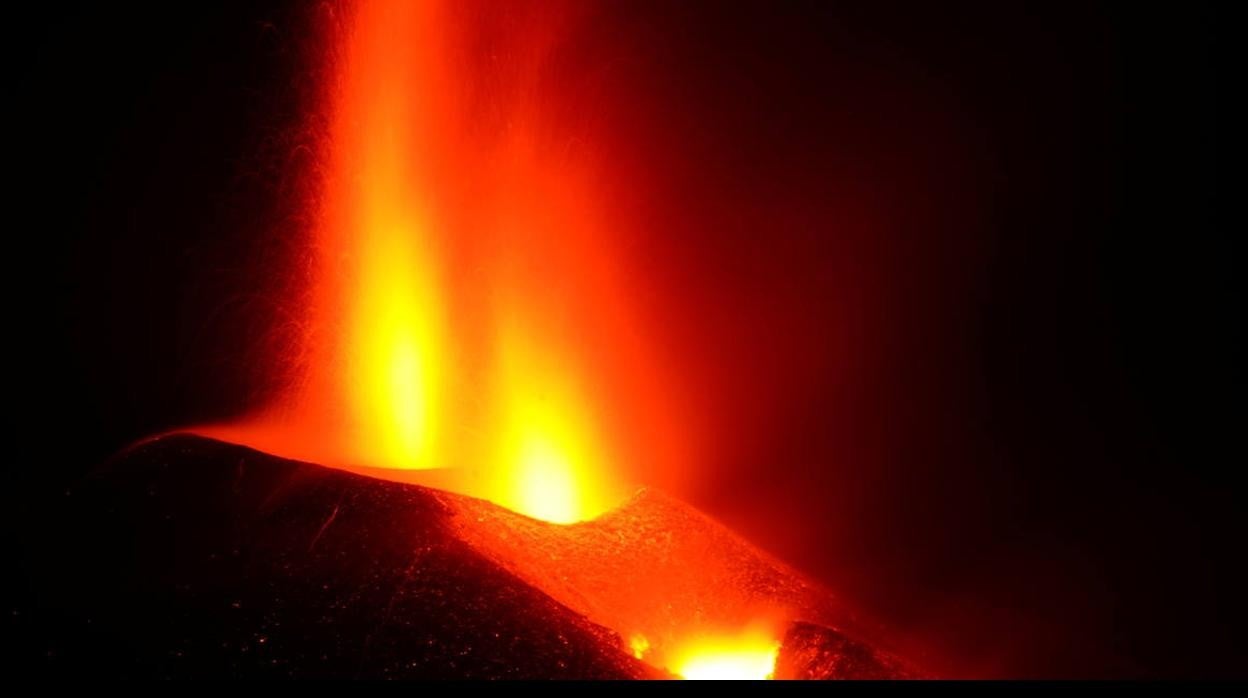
(189, 557)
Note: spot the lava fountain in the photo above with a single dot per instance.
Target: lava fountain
(467, 317)
(467, 327)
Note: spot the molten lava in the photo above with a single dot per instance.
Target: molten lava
(683, 592)
(466, 320)
(467, 327)
(749, 656)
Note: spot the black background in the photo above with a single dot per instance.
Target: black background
(963, 269)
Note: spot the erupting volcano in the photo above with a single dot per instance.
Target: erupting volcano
(589, 339)
(466, 326)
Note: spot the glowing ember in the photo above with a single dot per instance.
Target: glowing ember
(465, 310)
(639, 645)
(747, 656)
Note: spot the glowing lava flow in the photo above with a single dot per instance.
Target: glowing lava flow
(682, 591)
(743, 658)
(465, 318)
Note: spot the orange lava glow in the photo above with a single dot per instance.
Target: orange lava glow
(744, 656)
(466, 323)
(749, 656)
(682, 592)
